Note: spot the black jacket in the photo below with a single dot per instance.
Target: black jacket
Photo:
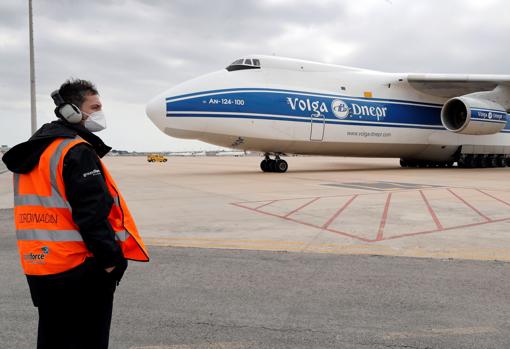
(88, 196)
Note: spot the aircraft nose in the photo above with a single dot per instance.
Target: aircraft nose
(156, 110)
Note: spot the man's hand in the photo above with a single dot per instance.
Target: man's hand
(109, 270)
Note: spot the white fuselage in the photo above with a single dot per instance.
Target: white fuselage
(300, 107)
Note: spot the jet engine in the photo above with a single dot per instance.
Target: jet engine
(473, 116)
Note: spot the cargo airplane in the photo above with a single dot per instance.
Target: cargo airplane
(279, 106)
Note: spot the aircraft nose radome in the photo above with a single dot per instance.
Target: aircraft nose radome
(156, 110)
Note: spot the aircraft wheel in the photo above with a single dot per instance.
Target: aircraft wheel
(477, 161)
(413, 163)
(493, 161)
(449, 163)
(272, 166)
(500, 161)
(469, 161)
(281, 166)
(485, 161)
(264, 165)
(404, 163)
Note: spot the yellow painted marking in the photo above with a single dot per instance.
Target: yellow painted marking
(502, 254)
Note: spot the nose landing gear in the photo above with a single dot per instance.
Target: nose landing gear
(276, 165)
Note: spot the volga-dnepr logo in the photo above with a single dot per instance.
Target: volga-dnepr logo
(340, 108)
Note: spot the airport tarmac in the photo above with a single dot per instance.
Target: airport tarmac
(319, 294)
(322, 204)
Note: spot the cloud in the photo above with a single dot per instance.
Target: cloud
(135, 49)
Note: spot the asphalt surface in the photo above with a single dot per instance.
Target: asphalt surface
(229, 299)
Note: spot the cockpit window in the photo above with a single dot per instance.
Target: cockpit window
(241, 64)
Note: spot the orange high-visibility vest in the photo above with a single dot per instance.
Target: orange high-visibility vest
(49, 241)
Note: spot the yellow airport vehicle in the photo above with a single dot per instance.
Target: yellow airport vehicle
(156, 158)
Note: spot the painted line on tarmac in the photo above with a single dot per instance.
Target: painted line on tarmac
(492, 196)
(431, 211)
(301, 207)
(264, 208)
(474, 253)
(384, 218)
(266, 204)
(337, 213)
(352, 236)
(469, 205)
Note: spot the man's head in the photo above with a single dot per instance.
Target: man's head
(84, 95)
(81, 93)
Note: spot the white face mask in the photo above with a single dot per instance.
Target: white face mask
(95, 122)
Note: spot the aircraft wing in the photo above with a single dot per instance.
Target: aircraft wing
(449, 86)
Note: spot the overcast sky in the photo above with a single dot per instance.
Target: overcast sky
(135, 49)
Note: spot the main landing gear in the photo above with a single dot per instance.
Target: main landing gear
(464, 161)
(276, 165)
(423, 164)
(483, 160)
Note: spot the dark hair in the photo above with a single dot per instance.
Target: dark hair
(74, 91)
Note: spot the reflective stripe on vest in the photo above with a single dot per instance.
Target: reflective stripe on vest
(48, 235)
(55, 200)
(58, 235)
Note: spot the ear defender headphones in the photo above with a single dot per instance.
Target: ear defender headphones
(66, 111)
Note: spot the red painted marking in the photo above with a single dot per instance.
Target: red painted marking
(337, 213)
(432, 212)
(446, 229)
(347, 235)
(266, 204)
(303, 223)
(301, 207)
(495, 198)
(470, 206)
(384, 218)
(338, 196)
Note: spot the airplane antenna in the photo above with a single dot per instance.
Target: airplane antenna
(32, 70)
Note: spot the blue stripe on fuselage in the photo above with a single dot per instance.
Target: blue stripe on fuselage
(321, 94)
(283, 118)
(289, 105)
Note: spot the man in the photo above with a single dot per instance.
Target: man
(74, 230)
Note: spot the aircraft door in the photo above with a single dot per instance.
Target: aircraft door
(317, 124)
